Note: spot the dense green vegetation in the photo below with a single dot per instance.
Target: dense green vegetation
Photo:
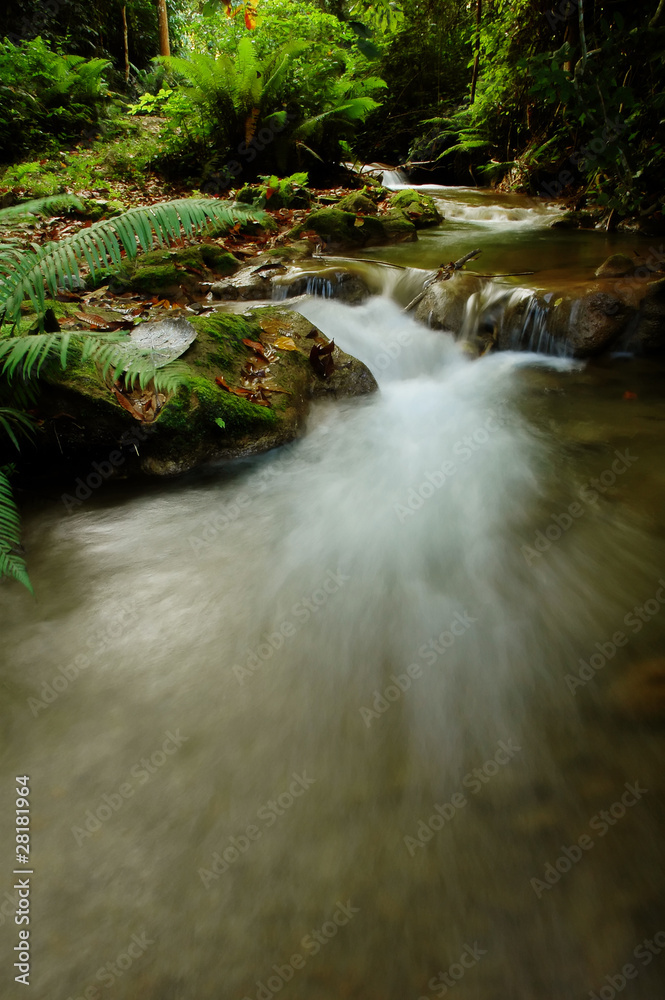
(554, 97)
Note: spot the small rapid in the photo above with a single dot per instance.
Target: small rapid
(324, 743)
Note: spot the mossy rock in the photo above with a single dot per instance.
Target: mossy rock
(165, 271)
(419, 208)
(616, 266)
(100, 208)
(338, 229)
(356, 202)
(258, 195)
(202, 420)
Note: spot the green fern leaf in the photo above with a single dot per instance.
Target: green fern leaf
(11, 563)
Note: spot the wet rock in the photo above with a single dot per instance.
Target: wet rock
(616, 266)
(443, 306)
(247, 284)
(640, 693)
(650, 331)
(596, 321)
(334, 283)
(418, 208)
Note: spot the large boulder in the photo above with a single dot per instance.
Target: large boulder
(596, 322)
(248, 385)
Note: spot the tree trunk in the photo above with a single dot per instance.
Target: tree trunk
(476, 61)
(126, 44)
(164, 46)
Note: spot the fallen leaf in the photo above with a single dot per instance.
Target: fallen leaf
(321, 359)
(629, 395)
(285, 344)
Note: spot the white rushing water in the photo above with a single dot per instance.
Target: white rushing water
(323, 741)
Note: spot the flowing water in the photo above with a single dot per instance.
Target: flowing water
(315, 724)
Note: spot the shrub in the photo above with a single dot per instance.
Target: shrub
(46, 98)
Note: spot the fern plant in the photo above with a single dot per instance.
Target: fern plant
(22, 358)
(103, 243)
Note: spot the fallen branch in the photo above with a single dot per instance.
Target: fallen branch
(445, 272)
(358, 260)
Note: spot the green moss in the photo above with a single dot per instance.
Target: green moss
(201, 402)
(418, 207)
(357, 201)
(218, 260)
(220, 339)
(152, 279)
(339, 228)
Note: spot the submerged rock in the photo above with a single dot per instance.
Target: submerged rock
(616, 266)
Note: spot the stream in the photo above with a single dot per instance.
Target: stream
(377, 715)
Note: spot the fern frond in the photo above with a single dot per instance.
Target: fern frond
(11, 563)
(13, 421)
(104, 242)
(41, 206)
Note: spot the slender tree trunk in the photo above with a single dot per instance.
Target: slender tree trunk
(126, 44)
(580, 8)
(476, 61)
(164, 46)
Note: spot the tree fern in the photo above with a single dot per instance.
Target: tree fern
(104, 243)
(11, 562)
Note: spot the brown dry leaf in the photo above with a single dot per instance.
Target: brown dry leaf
(285, 344)
(321, 359)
